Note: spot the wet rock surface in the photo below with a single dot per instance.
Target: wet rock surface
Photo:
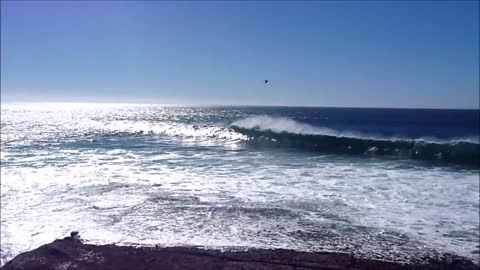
(71, 253)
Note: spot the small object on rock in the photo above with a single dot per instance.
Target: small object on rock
(74, 234)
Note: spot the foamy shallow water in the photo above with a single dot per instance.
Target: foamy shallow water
(143, 175)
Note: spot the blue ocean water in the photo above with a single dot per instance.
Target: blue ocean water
(394, 183)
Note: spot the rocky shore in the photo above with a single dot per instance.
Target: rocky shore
(71, 253)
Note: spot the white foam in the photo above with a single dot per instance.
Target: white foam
(282, 124)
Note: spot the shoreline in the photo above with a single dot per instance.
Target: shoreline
(71, 253)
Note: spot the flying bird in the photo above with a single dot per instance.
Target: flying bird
(266, 81)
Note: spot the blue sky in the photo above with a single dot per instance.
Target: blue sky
(353, 54)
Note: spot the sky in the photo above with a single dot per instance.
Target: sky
(340, 54)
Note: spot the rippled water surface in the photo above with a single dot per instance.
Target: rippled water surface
(300, 178)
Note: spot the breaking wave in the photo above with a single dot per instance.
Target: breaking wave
(199, 132)
(277, 131)
(259, 131)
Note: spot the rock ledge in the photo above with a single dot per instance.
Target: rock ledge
(71, 253)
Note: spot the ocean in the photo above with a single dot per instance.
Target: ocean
(395, 184)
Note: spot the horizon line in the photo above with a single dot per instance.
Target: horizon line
(225, 105)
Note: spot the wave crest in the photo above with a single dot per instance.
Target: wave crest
(177, 130)
(266, 130)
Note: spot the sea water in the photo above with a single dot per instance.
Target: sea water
(379, 183)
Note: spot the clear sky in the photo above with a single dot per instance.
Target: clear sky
(354, 54)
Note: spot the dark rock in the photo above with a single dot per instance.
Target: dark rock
(71, 253)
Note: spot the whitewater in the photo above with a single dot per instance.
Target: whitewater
(388, 183)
